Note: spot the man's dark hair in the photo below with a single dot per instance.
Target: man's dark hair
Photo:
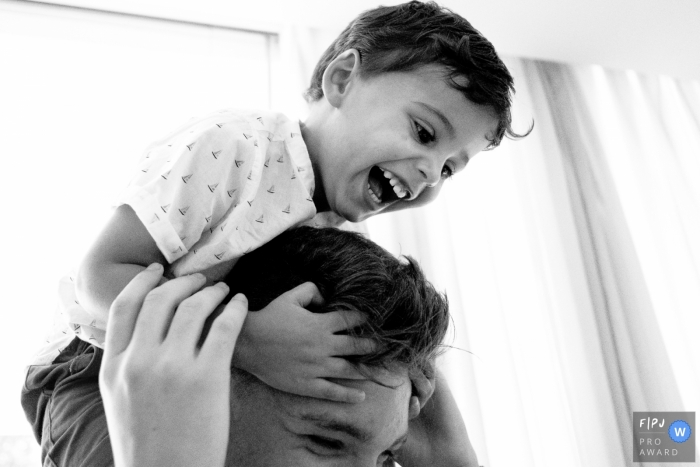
(414, 34)
(405, 314)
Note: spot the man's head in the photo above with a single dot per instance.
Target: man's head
(402, 99)
(404, 314)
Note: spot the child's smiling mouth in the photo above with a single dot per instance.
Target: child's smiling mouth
(384, 187)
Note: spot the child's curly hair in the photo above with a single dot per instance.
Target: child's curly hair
(414, 34)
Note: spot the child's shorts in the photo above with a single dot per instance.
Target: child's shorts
(63, 404)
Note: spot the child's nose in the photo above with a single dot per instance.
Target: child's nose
(430, 170)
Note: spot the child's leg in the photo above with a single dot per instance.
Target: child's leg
(63, 404)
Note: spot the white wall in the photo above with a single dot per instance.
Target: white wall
(651, 36)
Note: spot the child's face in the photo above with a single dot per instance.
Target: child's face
(393, 139)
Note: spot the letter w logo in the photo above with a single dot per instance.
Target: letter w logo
(680, 432)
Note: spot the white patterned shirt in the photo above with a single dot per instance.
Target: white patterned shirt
(216, 189)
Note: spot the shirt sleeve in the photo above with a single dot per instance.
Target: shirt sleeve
(189, 181)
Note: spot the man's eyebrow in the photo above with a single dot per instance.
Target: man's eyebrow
(348, 428)
(440, 116)
(338, 425)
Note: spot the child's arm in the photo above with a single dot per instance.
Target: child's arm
(284, 345)
(297, 351)
(122, 250)
(437, 436)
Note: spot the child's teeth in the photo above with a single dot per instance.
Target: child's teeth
(399, 188)
(372, 195)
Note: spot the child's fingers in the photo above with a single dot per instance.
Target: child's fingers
(222, 337)
(188, 322)
(306, 294)
(343, 320)
(349, 345)
(342, 369)
(126, 307)
(159, 306)
(324, 389)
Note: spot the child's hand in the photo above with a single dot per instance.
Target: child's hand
(297, 351)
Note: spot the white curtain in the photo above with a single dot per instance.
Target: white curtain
(571, 261)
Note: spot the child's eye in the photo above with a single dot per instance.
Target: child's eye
(424, 136)
(447, 172)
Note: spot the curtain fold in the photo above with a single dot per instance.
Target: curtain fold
(570, 260)
(639, 374)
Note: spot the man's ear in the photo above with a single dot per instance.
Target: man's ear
(339, 75)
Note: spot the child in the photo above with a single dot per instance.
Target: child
(401, 101)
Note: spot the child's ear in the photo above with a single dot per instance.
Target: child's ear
(339, 75)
